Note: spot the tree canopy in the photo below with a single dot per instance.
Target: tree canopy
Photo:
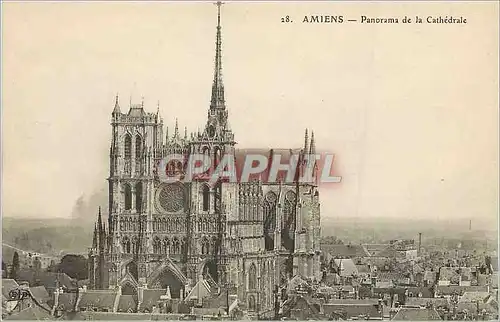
(15, 266)
(75, 266)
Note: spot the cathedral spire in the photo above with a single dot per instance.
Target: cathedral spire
(217, 100)
(176, 131)
(99, 227)
(116, 110)
(313, 144)
(94, 240)
(99, 220)
(306, 142)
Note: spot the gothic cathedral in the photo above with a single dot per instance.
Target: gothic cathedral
(247, 237)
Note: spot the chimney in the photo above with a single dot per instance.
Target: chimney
(419, 243)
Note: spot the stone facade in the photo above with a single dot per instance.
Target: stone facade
(246, 236)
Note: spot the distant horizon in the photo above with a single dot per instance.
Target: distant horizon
(324, 218)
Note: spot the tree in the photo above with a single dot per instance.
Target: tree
(15, 266)
(52, 267)
(75, 266)
(37, 266)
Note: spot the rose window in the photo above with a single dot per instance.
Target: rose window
(171, 197)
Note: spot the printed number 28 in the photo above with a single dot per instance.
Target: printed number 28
(286, 19)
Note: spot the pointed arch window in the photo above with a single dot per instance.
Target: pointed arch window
(138, 155)
(251, 303)
(252, 277)
(214, 247)
(128, 197)
(126, 245)
(128, 146)
(269, 212)
(138, 197)
(175, 246)
(166, 246)
(206, 198)
(156, 246)
(204, 246)
(138, 147)
(217, 156)
(206, 152)
(288, 219)
(183, 245)
(135, 245)
(128, 154)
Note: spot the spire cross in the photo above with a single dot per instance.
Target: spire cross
(218, 4)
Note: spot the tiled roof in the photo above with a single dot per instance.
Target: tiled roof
(136, 111)
(294, 302)
(390, 276)
(199, 291)
(374, 249)
(208, 311)
(347, 288)
(8, 285)
(474, 296)
(327, 290)
(417, 268)
(31, 313)
(103, 299)
(390, 252)
(127, 302)
(346, 267)
(239, 156)
(150, 298)
(466, 273)
(456, 289)
(494, 280)
(47, 279)
(494, 263)
(430, 276)
(422, 301)
(379, 262)
(295, 282)
(425, 292)
(67, 301)
(471, 307)
(113, 316)
(416, 314)
(363, 269)
(384, 284)
(352, 301)
(331, 279)
(449, 274)
(215, 300)
(40, 294)
(352, 309)
(345, 251)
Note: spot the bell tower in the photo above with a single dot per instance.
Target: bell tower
(136, 136)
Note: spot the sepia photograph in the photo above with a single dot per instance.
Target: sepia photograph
(250, 160)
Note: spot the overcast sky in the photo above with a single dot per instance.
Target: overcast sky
(411, 111)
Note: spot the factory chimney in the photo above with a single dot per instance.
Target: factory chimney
(419, 243)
